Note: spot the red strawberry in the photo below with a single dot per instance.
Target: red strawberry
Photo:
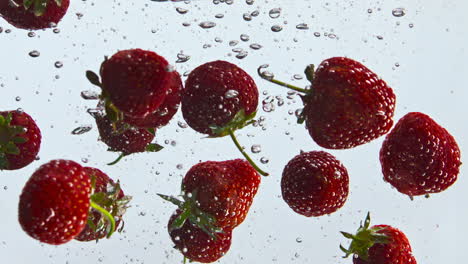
(111, 197)
(165, 111)
(33, 14)
(134, 82)
(348, 105)
(120, 137)
(195, 244)
(315, 183)
(220, 98)
(419, 156)
(54, 203)
(380, 244)
(20, 140)
(217, 194)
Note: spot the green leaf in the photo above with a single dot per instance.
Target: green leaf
(11, 148)
(27, 3)
(152, 131)
(40, 7)
(172, 199)
(2, 120)
(309, 72)
(153, 147)
(3, 161)
(93, 78)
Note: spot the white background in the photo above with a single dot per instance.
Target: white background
(431, 78)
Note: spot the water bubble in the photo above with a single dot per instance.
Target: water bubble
(84, 160)
(17, 98)
(398, 12)
(81, 129)
(181, 57)
(241, 54)
(58, 64)
(299, 240)
(31, 34)
(231, 94)
(244, 37)
(275, 13)
(276, 28)
(264, 160)
(89, 95)
(182, 124)
(219, 15)
(249, 2)
(233, 43)
(256, 148)
(181, 10)
(207, 24)
(317, 34)
(255, 46)
(247, 17)
(179, 166)
(34, 54)
(302, 26)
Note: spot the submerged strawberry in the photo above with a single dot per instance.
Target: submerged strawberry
(220, 98)
(33, 14)
(419, 156)
(195, 244)
(347, 105)
(217, 195)
(20, 140)
(379, 244)
(315, 183)
(109, 195)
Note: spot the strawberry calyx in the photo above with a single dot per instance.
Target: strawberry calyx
(9, 138)
(152, 147)
(364, 239)
(37, 6)
(111, 207)
(191, 212)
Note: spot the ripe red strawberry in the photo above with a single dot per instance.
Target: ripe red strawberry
(108, 194)
(419, 156)
(218, 99)
(54, 203)
(217, 194)
(195, 244)
(134, 82)
(315, 183)
(379, 244)
(348, 105)
(165, 111)
(33, 14)
(123, 138)
(20, 140)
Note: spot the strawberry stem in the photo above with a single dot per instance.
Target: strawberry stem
(270, 78)
(241, 149)
(109, 217)
(118, 159)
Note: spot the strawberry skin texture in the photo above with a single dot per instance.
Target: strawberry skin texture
(419, 156)
(19, 17)
(129, 140)
(196, 245)
(136, 81)
(28, 150)
(165, 111)
(224, 190)
(206, 101)
(54, 203)
(396, 251)
(315, 183)
(101, 183)
(349, 105)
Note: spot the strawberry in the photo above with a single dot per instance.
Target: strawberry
(20, 140)
(134, 83)
(56, 202)
(195, 244)
(111, 197)
(348, 105)
(123, 138)
(33, 14)
(217, 195)
(315, 183)
(419, 157)
(165, 111)
(379, 244)
(218, 99)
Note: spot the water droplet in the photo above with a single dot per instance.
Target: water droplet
(181, 57)
(17, 98)
(89, 95)
(276, 28)
(219, 16)
(233, 43)
(256, 148)
(84, 160)
(231, 94)
(244, 37)
(182, 124)
(179, 166)
(255, 46)
(398, 12)
(207, 24)
(81, 129)
(302, 26)
(181, 10)
(275, 13)
(264, 160)
(34, 54)
(31, 34)
(58, 64)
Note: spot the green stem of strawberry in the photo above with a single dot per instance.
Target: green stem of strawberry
(241, 149)
(117, 160)
(270, 78)
(109, 217)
